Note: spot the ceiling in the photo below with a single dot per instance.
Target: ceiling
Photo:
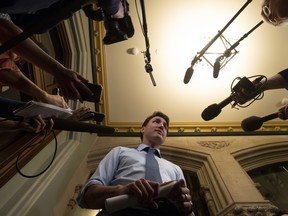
(177, 31)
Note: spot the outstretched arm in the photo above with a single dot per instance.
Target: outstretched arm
(278, 81)
(67, 79)
(17, 80)
(36, 125)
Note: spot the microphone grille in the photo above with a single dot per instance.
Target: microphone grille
(188, 74)
(251, 124)
(211, 112)
(216, 68)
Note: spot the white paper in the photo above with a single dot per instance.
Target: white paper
(124, 201)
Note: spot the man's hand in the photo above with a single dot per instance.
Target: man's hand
(145, 191)
(181, 196)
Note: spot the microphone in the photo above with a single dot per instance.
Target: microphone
(254, 122)
(228, 52)
(214, 110)
(216, 67)
(188, 74)
(241, 93)
(71, 125)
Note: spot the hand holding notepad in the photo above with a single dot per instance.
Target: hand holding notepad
(124, 201)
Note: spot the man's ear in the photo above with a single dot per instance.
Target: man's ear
(142, 130)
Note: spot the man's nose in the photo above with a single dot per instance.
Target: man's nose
(161, 124)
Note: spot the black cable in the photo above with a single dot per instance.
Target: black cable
(258, 96)
(30, 146)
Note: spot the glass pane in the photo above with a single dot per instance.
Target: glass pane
(273, 183)
(198, 199)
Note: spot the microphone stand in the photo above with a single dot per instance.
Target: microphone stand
(227, 52)
(202, 52)
(147, 56)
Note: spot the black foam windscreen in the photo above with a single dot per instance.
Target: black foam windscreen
(188, 75)
(254, 122)
(251, 124)
(211, 112)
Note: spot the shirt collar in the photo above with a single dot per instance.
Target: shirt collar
(142, 146)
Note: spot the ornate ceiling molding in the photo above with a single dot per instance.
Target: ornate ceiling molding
(175, 127)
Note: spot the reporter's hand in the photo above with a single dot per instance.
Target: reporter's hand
(56, 100)
(81, 114)
(69, 82)
(37, 125)
(283, 112)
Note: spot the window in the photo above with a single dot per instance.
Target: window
(272, 182)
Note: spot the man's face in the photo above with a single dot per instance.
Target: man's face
(155, 131)
(275, 11)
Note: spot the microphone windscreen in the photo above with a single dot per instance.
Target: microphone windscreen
(71, 125)
(216, 68)
(211, 112)
(188, 74)
(251, 124)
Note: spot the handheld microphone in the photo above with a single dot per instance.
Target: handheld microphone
(214, 109)
(242, 92)
(71, 125)
(254, 122)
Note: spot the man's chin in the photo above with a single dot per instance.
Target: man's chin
(159, 139)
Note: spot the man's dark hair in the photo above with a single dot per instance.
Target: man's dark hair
(159, 114)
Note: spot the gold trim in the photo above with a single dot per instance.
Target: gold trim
(198, 127)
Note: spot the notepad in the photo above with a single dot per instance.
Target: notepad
(120, 202)
(34, 108)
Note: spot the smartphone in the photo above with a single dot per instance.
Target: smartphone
(96, 89)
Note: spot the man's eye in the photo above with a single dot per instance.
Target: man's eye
(157, 121)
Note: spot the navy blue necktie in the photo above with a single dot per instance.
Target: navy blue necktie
(152, 167)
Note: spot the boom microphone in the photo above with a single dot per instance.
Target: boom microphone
(217, 67)
(227, 53)
(189, 71)
(188, 74)
(72, 125)
(254, 122)
(214, 110)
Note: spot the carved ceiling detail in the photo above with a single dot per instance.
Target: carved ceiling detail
(214, 144)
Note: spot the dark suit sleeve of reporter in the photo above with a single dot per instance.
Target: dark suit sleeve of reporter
(8, 106)
(284, 74)
(28, 21)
